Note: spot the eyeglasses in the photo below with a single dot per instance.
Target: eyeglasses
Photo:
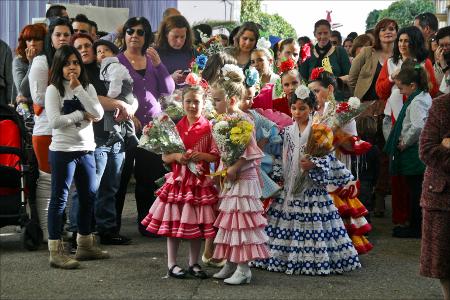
(139, 32)
(80, 31)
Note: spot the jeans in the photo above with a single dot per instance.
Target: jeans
(109, 163)
(68, 166)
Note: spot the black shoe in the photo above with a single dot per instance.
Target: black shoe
(146, 233)
(114, 239)
(179, 275)
(199, 273)
(113, 138)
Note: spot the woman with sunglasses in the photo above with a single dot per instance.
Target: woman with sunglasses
(151, 80)
(338, 57)
(174, 46)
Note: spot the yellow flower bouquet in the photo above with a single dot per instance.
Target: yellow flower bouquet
(232, 134)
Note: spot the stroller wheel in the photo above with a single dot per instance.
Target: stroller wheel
(32, 236)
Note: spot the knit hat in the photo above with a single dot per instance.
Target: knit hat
(106, 43)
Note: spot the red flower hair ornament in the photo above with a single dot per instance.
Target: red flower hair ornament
(193, 79)
(286, 65)
(316, 73)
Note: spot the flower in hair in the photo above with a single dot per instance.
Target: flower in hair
(203, 36)
(286, 65)
(193, 79)
(302, 92)
(263, 44)
(315, 73)
(251, 76)
(231, 68)
(201, 61)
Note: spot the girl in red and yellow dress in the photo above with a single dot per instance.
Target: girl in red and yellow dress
(290, 79)
(351, 210)
(184, 208)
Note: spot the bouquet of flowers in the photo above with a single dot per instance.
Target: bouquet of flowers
(160, 136)
(232, 134)
(172, 105)
(326, 132)
(210, 45)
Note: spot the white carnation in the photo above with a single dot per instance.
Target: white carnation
(221, 125)
(263, 44)
(354, 102)
(231, 68)
(302, 92)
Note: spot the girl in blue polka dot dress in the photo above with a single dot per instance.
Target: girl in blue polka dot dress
(306, 233)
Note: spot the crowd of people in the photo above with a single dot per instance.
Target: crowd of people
(91, 93)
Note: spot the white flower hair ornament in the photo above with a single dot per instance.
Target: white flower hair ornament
(263, 44)
(231, 68)
(354, 102)
(302, 92)
(203, 36)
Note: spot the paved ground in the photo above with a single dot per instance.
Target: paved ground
(137, 271)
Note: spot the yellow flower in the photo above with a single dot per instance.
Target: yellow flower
(236, 130)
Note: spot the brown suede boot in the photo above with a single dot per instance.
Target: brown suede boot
(87, 248)
(58, 259)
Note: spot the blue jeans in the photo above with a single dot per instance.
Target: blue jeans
(109, 162)
(67, 166)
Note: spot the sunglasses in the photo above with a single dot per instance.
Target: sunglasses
(139, 32)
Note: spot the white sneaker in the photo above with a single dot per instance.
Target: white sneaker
(226, 271)
(238, 278)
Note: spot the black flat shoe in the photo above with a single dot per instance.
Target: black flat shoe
(199, 273)
(179, 275)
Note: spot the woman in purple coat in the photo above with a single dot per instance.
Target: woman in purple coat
(150, 80)
(435, 201)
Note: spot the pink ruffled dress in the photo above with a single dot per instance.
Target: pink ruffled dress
(185, 206)
(241, 236)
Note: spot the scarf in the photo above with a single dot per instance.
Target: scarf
(322, 53)
(392, 142)
(293, 151)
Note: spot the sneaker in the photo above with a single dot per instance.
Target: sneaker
(114, 239)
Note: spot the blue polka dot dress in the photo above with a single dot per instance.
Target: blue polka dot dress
(306, 232)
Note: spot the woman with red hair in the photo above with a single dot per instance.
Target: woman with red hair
(31, 44)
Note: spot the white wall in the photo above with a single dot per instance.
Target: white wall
(197, 11)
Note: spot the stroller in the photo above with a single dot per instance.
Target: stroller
(18, 171)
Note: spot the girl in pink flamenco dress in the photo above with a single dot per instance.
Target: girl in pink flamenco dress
(185, 206)
(240, 237)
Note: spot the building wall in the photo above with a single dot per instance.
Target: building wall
(14, 15)
(198, 11)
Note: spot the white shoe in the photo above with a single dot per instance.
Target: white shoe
(226, 271)
(238, 278)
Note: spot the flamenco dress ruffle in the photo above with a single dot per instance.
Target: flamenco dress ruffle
(352, 212)
(240, 237)
(306, 233)
(184, 207)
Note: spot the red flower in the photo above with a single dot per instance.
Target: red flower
(286, 65)
(316, 73)
(342, 107)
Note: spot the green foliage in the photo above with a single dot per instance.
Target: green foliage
(250, 10)
(404, 11)
(276, 25)
(372, 19)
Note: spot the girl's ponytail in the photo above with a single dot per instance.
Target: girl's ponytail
(413, 72)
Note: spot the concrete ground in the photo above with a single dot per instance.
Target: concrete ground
(138, 271)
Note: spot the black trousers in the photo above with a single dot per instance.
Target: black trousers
(147, 167)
